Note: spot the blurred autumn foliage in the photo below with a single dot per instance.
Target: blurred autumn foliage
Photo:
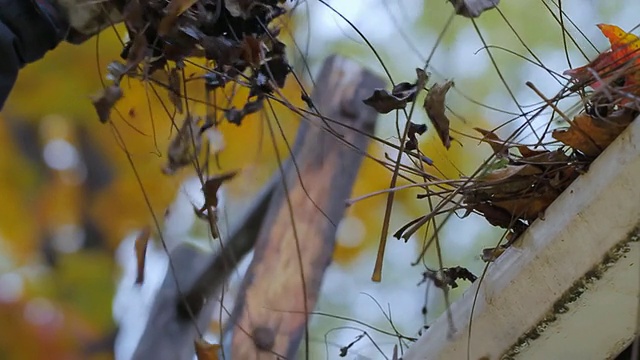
(72, 188)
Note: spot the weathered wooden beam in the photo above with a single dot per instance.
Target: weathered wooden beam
(298, 235)
(169, 334)
(569, 288)
(170, 329)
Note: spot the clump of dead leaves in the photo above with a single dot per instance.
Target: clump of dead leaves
(525, 186)
(236, 38)
(521, 182)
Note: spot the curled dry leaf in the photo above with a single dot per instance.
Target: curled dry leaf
(185, 146)
(141, 253)
(412, 134)
(591, 135)
(276, 69)
(206, 351)
(509, 172)
(385, 102)
(402, 94)
(494, 215)
(520, 189)
(448, 277)
(528, 208)
(498, 145)
(435, 108)
(236, 116)
(105, 101)
(473, 8)
(519, 200)
(272, 72)
(244, 44)
(211, 187)
(548, 160)
(624, 56)
(528, 153)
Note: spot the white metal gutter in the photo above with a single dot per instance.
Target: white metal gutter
(569, 287)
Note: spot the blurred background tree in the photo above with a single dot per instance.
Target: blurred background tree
(70, 195)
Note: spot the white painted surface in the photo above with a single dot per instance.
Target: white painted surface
(597, 212)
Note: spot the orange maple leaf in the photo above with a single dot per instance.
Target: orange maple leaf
(622, 60)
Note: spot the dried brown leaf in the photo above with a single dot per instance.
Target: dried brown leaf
(275, 70)
(548, 158)
(412, 134)
(435, 108)
(235, 116)
(401, 94)
(495, 216)
(510, 171)
(384, 102)
(448, 277)
(527, 153)
(185, 146)
(473, 8)
(211, 187)
(497, 145)
(577, 141)
(141, 253)
(591, 135)
(528, 208)
(105, 101)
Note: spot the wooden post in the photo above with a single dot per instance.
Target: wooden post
(170, 330)
(298, 234)
(569, 287)
(328, 168)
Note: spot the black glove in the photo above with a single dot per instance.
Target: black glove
(30, 28)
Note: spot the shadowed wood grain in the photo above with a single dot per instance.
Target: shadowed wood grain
(269, 317)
